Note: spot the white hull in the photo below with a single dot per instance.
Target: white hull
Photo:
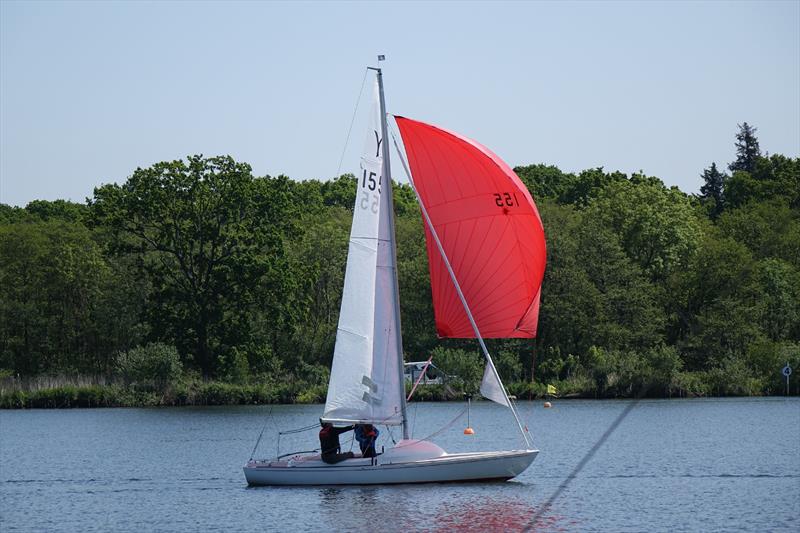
(409, 462)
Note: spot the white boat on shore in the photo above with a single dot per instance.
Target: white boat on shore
(486, 253)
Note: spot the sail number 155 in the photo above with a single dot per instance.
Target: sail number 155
(368, 181)
(505, 199)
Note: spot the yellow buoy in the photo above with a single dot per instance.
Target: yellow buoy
(547, 405)
(469, 431)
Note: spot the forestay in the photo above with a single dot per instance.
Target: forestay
(365, 381)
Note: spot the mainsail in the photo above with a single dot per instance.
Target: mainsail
(489, 240)
(365, 384)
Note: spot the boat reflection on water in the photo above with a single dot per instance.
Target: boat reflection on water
(353, 500)
(449, 507)
(509, 513)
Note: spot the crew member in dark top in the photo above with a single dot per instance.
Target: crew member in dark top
(329, 443)
(366, 434)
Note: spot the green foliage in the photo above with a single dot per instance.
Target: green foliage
(717, 303)
(463, 368)
(63, 305)
(747, 149)
(416, 305)
(773, 177)
(646, 288)
(210, 236)
(63, 397)
(317, 260)
(56, 210)
(315, 394)
(508, 365)
(12, 214)
(155, 363)
(625, 373)
(765, 360)
(769, 228)
(656, 225)
(546, 181)
(713, 188)
(588, 185)
(339, 192)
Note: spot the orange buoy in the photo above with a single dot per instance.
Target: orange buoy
(469, 430)
(547, 405)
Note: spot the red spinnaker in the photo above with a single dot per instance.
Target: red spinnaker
(490, 230)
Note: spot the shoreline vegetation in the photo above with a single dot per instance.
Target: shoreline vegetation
(194, 282)
(77, 393)
(59, 392)
(221, 393)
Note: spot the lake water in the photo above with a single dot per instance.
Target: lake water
(677, 465)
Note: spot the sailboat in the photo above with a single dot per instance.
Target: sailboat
(486, 249)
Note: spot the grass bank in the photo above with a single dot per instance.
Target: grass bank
(88, 391)
(80, 391)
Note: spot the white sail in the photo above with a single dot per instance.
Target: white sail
(491, 388)
(365, 381)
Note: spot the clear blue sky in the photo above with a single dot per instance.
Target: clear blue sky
(90, 91)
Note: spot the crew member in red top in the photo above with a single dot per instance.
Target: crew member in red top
(329, 443)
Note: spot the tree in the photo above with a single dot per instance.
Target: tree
(656, 226)
(780, 300)
(416, 303)
(773, 177)
(718, 303)
(631, 317)
(63, 306)
(570, 301)
(545, 181)
(10, 214)
(769, 229)
(588, 185)
(57, 209)
(318, 260)
(210, 236)
(714, 188)
(747, 150)
(340, 191)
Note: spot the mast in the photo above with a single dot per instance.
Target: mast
(387, 174)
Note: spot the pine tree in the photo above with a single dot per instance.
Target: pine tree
(747, 150)
(714, 188)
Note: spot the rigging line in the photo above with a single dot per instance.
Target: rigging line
(352, 121)
(414, 422)
(386, 367)
(298, 430)
(525, 424)
(443, 428)
(583, 462)
(258, 440)
(421, 375)
(391, 433)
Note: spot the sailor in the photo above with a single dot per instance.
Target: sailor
(366, 435)
(329, 443)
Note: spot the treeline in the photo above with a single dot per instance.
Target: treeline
(195, 271)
